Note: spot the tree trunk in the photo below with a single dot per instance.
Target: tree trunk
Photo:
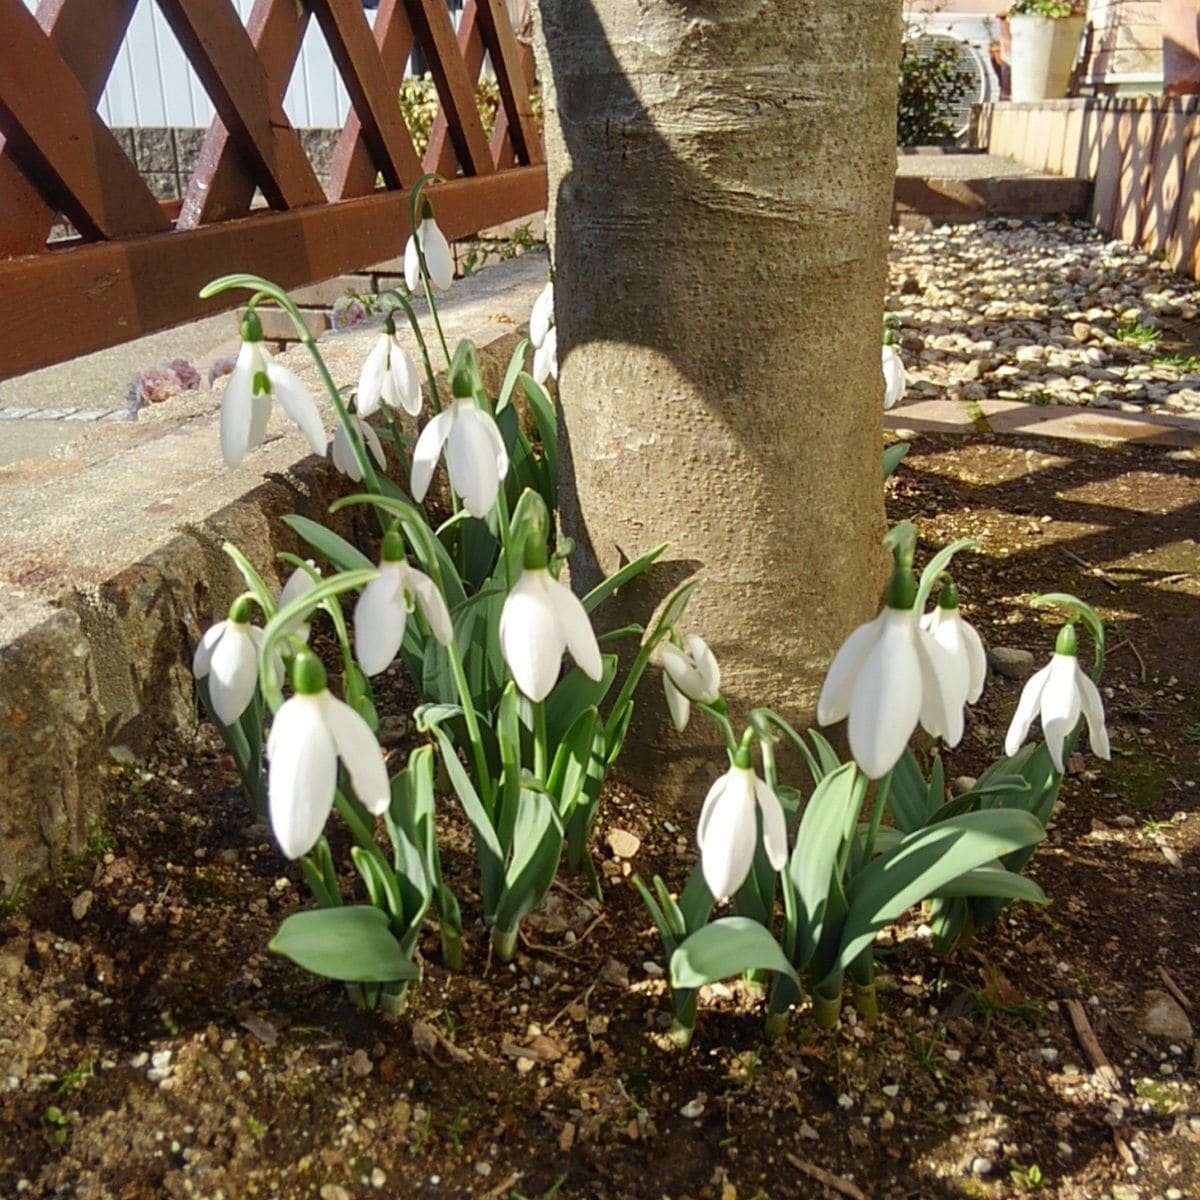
(720, 191)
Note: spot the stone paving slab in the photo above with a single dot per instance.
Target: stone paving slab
(1068, 422)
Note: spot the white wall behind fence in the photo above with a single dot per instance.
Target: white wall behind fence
(152, 85)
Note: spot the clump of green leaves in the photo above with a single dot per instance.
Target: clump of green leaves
(1046, 8)
(931, 84)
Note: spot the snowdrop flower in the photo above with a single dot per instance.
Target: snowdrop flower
(888, 674)
(895, 378)
(246, 401)
(342, 452)
(227, 657)
(310, 733)
(542, 619)
(439, 261)
(963, 645)
(382, 610)
(388, 375)
(1059, 692)
(691, 675)
(545, 357)
(728, 829)
(475, 455)
(541, 316)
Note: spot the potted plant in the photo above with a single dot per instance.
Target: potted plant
(1045, 40)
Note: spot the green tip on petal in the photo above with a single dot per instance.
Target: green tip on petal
(308, 675)
(393, 547)
(262, 385)
(1067, 642)
(241, 610)
(251, 327)
(948, 598)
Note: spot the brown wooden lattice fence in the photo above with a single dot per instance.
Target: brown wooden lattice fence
(137, 263)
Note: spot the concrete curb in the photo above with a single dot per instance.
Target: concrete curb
(111, 567)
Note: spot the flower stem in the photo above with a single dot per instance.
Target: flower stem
(881, 796)
(433, 312)
(827, 1009)
(452, 947)
(504, 944)
(472, 719)
(540, 746)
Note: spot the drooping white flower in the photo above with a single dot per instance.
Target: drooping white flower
(542, 619)
(227, 656)
(342, 453)
(888, 674)
(299, 583)
(1059, 693)
(439, 260)
(381, 613)
(541, 316)
(309, 734)
(727, 832)
(475, 455)
(895, 378)
(691, 675)
(246, 401)
(545, 357)
(388, 375)
(966, 656)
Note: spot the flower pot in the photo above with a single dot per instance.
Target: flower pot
(1043, 53)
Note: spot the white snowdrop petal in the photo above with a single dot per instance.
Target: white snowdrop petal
(774, 824)
(237, 408)
(370, 378)
(1027, 709)
(299, 405)
(706, 809)
(895, 378)
(945, 677)
(204, 649)
(541, 316)
(433, 605)
(530, 640)
(1093, 710)
(470, 461)
(834, 701)
(439, 260)
(428, 450)
(1060, 706)
(977, 661)
(730, 837)
(359, 752)
(678, 705)
(886, 700)
(405, 380)
(379, 620)
(412, 265)
(233, 673)
(302, 775)
(707, 667)
(576, 629)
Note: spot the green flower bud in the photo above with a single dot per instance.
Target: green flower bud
(948, 598)
(393, 547)
(1067, 642)
(308, 674)
(252, 330)
(241, 610)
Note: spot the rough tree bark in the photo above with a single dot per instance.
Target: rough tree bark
(720, 190)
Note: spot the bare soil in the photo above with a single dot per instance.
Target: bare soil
(151, 1047)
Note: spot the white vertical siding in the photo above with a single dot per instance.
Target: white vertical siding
(152, 85)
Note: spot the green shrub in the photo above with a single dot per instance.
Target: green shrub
(931, 84)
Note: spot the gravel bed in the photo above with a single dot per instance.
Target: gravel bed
(1044, 313)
